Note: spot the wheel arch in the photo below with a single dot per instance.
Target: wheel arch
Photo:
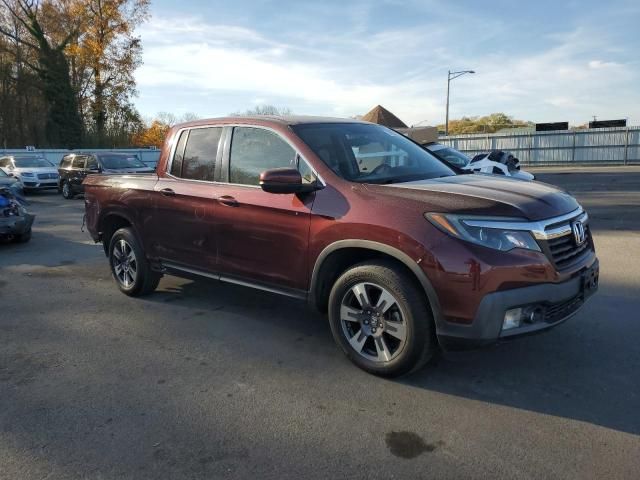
(110, 223)
(338, 256)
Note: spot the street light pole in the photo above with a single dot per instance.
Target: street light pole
(450, 76)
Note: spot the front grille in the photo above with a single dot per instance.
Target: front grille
(47, 176)
(564, 251)
(557, 311)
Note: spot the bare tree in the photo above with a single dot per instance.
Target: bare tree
(266, 110)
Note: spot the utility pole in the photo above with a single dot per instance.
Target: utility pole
(451, 76)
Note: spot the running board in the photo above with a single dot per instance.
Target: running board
(181, 269)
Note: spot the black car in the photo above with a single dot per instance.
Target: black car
(76, 166)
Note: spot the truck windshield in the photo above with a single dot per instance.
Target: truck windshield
(115, 162)
(368, 153)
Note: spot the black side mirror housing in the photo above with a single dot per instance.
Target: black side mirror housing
(285, 181)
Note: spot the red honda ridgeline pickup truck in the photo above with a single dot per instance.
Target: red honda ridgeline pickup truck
(405, 254)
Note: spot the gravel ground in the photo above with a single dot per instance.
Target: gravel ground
(206, 380)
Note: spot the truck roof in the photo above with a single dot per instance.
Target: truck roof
(270, 119)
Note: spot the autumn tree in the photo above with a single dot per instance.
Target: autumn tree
(154, 133)
(487, 124)
(63, 123)
(105, 55)
(71, 62)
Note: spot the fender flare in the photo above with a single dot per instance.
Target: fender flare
(399, 255)
(115, 212)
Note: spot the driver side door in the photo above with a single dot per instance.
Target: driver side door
(262, 237)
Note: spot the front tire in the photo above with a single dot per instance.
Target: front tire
(66, 191)
(381, 319)
(129, 266)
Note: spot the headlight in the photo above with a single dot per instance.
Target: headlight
(483, 231)
(26, 174)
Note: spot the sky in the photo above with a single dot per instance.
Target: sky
(543, 61)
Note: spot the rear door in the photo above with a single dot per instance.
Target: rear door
(181, 230)
(262, 237)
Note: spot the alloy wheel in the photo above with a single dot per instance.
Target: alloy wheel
(373, 322)
(125, 265)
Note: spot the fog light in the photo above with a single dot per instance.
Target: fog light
(512, 319)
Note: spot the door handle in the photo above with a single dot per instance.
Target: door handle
(167, 192)
(228, 201)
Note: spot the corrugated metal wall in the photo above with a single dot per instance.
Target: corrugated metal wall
(593, 146)
(148, 156)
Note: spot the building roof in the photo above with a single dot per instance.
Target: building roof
(382, 116)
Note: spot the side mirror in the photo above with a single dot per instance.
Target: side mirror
(284, 180)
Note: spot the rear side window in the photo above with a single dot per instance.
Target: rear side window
(178, 156)
(254, 150)
(78, 162)
(200, 153)
(198, 162)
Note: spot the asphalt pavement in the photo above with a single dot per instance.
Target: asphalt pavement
(207, 380)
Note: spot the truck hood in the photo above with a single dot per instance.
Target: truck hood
(483, 195)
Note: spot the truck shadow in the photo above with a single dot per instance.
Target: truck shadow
(583, 370)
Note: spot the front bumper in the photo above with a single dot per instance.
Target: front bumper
(558, 301)
(39, 184)
(15, 225)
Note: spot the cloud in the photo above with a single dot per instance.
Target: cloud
(402, 68)
(598, 64)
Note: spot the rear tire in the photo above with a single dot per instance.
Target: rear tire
(129, 265)
(381, 319)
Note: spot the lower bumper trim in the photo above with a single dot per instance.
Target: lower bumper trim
(560, 301)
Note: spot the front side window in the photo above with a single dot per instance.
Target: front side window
(254, 150)
(368, 153)
(92, 163)
(65, 162)
(120, 161)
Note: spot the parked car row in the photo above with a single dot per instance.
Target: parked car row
(27, 173)
(31, 171)
(75, 167)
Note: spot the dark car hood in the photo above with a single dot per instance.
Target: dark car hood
(129, 170)
(484, 195)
